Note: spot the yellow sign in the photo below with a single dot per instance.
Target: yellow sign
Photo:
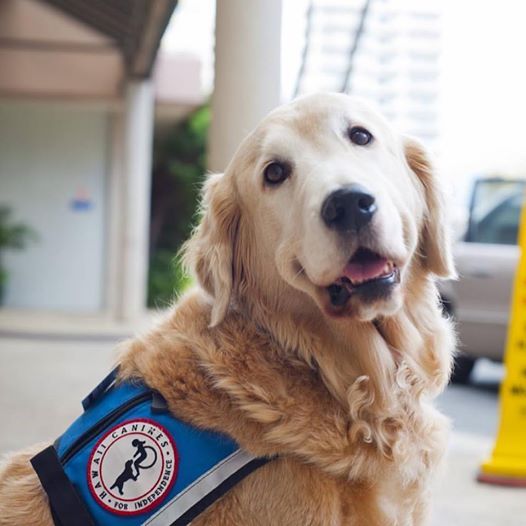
(507, 464)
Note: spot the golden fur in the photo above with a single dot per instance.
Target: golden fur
(344, 400)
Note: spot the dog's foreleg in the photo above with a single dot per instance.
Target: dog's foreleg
(22, 499)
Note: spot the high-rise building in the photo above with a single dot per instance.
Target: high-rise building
(384, 50)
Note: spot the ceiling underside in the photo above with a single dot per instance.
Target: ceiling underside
(135, 26)
(78, 48)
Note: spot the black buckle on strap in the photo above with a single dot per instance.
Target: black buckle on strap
(100, 389)
(66, 506)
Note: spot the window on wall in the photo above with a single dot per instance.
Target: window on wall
(496, 211)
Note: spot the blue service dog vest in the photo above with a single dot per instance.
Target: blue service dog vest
(127, 461)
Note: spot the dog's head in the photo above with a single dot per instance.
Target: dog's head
(326, 204)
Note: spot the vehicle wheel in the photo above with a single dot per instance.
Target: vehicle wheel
(462, 369)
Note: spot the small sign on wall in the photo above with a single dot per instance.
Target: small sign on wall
(82, 201)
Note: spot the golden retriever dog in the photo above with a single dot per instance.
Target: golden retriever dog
(315, 332)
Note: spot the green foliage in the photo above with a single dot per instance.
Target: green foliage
(166, 278)
(3, 281)
(13, 236)
(179, 167)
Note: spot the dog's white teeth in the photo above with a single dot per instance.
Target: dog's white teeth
(349, 284)
(386, 271)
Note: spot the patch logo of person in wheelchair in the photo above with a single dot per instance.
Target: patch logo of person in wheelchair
(133, 467)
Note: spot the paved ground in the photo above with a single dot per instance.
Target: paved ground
(460, 500)
(46, 377)
(42, 384)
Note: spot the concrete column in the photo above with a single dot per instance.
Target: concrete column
(115, 216)
(136, 190)
(247, 72)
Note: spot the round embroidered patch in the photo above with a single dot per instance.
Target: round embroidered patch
(132, 467)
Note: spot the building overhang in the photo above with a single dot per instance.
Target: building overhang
(78, 49)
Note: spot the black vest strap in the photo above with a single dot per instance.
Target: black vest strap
(66, 506)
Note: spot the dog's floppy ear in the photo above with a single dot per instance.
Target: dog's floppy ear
(435, 243)
(209, 252)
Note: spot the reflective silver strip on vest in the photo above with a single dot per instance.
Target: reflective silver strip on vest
(199, 489)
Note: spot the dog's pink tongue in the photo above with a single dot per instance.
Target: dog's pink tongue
(358, 271)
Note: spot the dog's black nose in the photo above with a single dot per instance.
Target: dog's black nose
(348, 208)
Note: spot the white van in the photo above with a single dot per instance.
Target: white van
(486, 257)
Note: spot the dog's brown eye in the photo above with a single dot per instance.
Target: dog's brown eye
(360, 136)
(275, 173)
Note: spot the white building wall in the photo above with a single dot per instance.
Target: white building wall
(53, 164)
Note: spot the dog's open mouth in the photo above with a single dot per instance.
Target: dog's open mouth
(368, 274)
